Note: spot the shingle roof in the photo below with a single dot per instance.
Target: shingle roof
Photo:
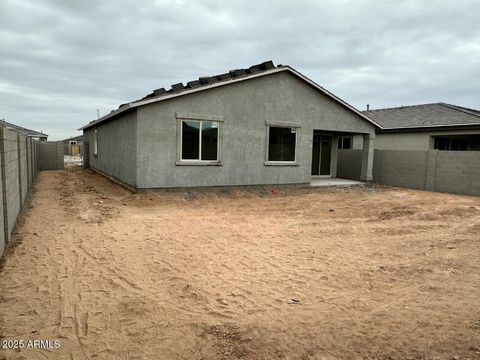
(209, 82)
(23, 130)
(423, 116)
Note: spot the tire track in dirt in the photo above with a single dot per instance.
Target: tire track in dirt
(85, 197)
(69, 324)
(245, 275)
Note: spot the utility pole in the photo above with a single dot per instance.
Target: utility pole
(98, 113)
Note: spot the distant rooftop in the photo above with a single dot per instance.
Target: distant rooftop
(23, 130)
(77, 137)
(424, 116)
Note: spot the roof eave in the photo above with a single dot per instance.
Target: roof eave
(106, 117)
(428, 127)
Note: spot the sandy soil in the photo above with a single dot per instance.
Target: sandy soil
(381, 273)
(70, 160)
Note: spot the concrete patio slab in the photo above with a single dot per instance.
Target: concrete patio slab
(334, 182)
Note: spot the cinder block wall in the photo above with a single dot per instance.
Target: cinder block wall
(35, 158)
(456, 172)
(400, 168)
(18, 159)
(3, 240)
(349, 164)
(29, 161)
(50, 155)
(10, 179)
(85, 154)
(22, 163)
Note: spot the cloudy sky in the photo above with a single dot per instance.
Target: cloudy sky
(61, 60)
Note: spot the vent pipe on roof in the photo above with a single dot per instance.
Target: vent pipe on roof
(368, 107)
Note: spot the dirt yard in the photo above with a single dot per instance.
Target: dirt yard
(359, 273)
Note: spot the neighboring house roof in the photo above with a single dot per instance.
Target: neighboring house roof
(73, 138)
(424, 116)
(23, 130)
(205, 83)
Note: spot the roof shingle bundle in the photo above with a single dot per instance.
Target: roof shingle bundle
(207, 80)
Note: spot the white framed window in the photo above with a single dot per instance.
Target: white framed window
(95, 142)
(345, 142)
(199, 139)
(281, 144)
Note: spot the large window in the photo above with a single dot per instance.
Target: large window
(199, 140)
(282, 143)
(345, 142)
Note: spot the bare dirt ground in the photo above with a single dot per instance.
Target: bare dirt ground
(381, 273)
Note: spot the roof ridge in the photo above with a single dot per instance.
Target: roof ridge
(403, 107)
(462, 109)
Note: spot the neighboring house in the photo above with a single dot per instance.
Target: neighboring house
(73, 146)
(24, 131)
(433, 147)
(437, 126)
(255, 126)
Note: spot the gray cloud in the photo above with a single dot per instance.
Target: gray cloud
(61, 60)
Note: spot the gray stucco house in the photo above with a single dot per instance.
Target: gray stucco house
(437, 126)
(255, 126)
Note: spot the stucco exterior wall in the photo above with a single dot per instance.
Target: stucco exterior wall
(357, 142)
(245, 107)
(414, 140)
(117, 148)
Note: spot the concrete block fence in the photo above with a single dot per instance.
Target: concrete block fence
(349, 164)
(456, 172)
(50, 155)
(19, 168)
